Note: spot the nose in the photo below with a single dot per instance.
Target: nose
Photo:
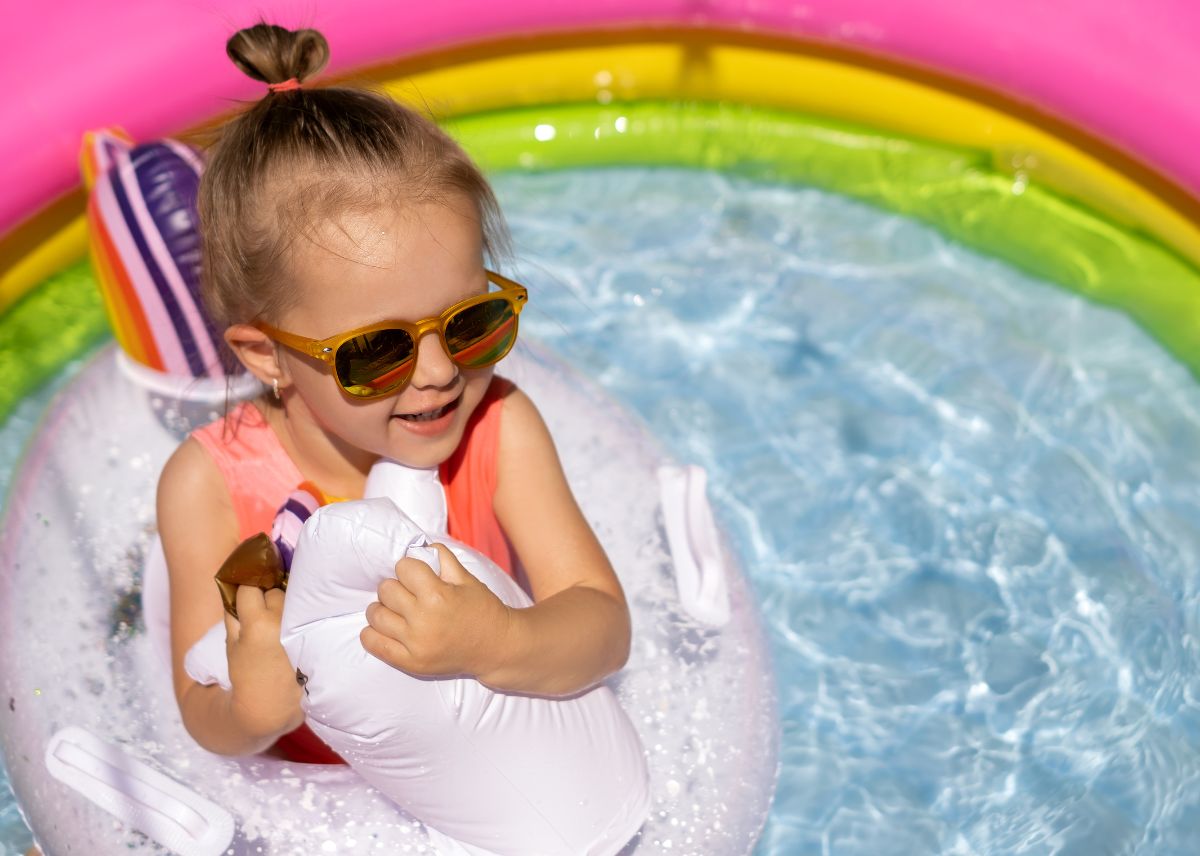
(434, 370)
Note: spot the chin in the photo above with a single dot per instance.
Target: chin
(423, 452)
(433, 438)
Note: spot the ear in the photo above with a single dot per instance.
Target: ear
(257, 353)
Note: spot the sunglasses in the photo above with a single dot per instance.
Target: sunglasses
(379, 359)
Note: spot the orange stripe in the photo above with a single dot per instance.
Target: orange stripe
(118, 317)
(103, 270)
(121, 299)
(386, 378)
(89, 160)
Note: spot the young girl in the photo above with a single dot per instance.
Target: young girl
(345, 239)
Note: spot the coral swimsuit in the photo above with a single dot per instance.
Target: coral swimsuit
(260, 475)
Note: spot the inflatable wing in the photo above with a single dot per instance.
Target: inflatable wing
(498, 772)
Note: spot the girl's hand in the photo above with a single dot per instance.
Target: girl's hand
(430, 625)
(265, 699)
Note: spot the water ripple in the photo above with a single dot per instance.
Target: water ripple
(968, 499)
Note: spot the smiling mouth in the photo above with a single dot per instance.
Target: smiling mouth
(430, 415)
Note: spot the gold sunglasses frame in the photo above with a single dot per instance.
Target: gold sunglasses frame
(326, 349)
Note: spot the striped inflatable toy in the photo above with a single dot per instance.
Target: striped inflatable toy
(145, 247)
(301, 504)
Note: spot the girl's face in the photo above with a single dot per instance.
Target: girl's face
(397, 263)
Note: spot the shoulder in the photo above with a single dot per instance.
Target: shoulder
(522, 428)
(527, 462)
(189, 467)
(538, 511)
(190, 480)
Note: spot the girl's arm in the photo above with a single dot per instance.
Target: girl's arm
(198, 529)
(578, 631)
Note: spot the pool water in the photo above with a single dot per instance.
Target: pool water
(967, 500)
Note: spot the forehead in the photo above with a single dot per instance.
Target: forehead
(373, 233)
(372, 263)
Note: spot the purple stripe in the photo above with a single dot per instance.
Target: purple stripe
(108, 152)
(285, 553)
(168, 186)
(106, 149)
(164, 291)
(125, 256)
(296, 507)
(188, 154)
(300, 506)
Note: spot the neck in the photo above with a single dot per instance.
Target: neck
(334, 466)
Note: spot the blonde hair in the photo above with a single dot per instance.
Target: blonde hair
(359, 148)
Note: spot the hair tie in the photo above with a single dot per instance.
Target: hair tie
(287, 86)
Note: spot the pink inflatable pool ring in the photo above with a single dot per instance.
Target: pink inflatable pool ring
(1091, 65)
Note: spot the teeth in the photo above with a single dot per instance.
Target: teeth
(424, 417)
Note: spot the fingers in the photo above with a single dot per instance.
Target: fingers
(233, 628)
(259, 613)
(273, 599)
(453, 571)
(416, 576)
(396, 596)
(386, 621)
(250, 603)
(385, 648)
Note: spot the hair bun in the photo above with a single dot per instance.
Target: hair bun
(274, 54)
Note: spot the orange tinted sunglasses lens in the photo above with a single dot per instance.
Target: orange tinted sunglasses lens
(378, 362)
(375, 363)
(481, 334)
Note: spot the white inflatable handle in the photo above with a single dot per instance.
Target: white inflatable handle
(175, 816)
(695, 547)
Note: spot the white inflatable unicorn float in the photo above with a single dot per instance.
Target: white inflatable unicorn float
(542, 775)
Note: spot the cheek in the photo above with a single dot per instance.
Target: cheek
(474, 387)
(315, 385)
(324, 400)
(361, 426)
(302, 370)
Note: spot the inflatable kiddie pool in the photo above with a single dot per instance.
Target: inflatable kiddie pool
(962, 137)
